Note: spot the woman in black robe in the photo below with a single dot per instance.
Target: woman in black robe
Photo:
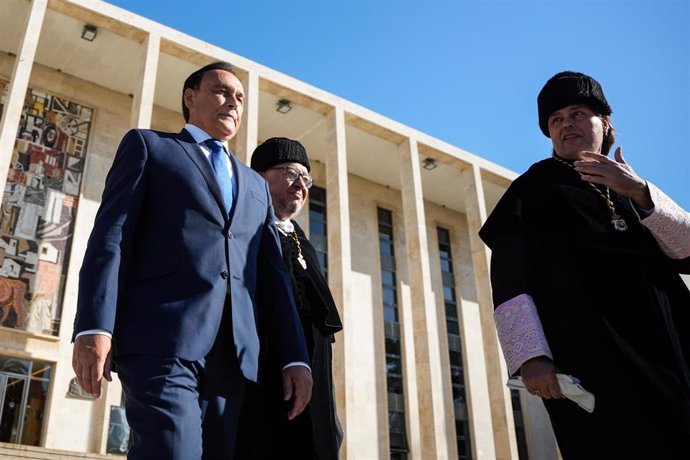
(585, 270)
(265, 431)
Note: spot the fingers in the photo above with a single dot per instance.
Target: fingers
(546, 389)
(91, 361)
(549, 389)
(618, 175)
(287, 387)
(297, 382)
(618, 155)
(603, 170)
(302, 397)
(106, 368)
(593, 157)
(539, 376)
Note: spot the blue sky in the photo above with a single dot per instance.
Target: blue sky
(468, 72)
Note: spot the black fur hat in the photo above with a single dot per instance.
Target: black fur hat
(567, 88)
(278, 150)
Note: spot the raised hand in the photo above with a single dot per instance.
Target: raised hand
(616, 174)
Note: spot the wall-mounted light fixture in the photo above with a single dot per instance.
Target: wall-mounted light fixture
(283, 106)
(429, 163)
(89, 32)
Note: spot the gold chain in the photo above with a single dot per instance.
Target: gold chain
(618, 223)
(300, 258)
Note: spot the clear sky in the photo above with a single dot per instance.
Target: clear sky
(468, 72)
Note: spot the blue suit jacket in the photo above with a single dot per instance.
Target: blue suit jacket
(164, 253)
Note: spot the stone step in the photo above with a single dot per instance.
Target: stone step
(17, 451)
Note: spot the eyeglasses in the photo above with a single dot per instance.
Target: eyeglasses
(292, 175)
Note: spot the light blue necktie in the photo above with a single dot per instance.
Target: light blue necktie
(220, 167)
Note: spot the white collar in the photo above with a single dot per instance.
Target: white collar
(200, 135)
(285, 226)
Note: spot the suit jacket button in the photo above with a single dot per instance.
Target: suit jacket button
(230, 235)
(224, 275)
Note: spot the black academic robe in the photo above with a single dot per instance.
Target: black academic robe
(265, 432)
(614, 309)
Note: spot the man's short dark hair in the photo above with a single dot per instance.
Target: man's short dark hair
(194, 80)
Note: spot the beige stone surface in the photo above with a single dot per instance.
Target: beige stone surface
(247, 136)
(15, 452)
(501, 408)
(142, 104)
(19, 81)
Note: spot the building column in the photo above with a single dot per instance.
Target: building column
(248, 134)
(18, 85)
(352, 393)
(422, 331)
(499, 394)
(142, 104)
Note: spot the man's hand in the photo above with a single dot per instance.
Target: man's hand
(297, 384)
(616, 175)
(539, 376)
(91, 361)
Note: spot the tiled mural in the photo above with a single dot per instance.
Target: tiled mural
(39, 204)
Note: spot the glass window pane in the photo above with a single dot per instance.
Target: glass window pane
(316, 226)
(394, 384)
(323, 259)
(118, 431)
(443, 236)
(385, 216)
(388, 294)
(14, 365)
(385, 248)
(445, 264)
(11, 408)
(390, 313)
(388, 278)
(451, 310)
(41, 370)
(396, 422)
(455, 359)
(392, 346)
(393, 366)
(33, 417)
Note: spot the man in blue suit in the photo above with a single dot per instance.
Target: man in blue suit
(182, 264)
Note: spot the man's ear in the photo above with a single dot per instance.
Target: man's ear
(189, 97)
(606, 121)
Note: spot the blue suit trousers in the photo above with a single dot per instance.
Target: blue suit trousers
(184, 410)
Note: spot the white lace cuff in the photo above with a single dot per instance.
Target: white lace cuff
(520, 332)
(670, 225)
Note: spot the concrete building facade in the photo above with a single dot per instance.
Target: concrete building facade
(394, 213)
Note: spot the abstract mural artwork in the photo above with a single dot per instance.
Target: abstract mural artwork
(39, 204)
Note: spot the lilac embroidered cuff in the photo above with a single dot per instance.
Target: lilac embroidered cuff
(520, 332)
(669, 224)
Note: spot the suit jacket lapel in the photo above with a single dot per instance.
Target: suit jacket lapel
(195, 153)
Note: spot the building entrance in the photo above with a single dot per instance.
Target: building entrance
(12, 405)
(24, 388)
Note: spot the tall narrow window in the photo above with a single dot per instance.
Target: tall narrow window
(394, 372)
(462, 427)
(38, 208)
(318, 229)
